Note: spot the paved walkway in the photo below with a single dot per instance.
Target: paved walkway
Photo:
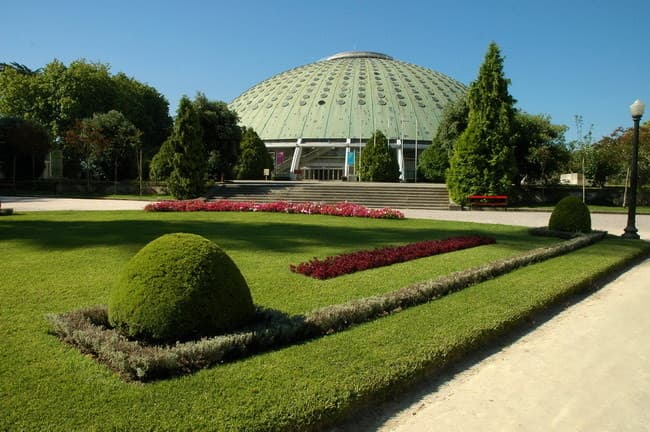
(587, 369)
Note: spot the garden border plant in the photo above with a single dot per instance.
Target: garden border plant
(345, 209)
(347, 263)
(87, 329)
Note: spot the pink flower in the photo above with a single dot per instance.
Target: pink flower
(338, 209)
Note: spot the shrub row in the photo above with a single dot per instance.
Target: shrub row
(336, 209)
(88, 329)
(352, 262)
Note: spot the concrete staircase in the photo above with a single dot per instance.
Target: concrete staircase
(425, 196)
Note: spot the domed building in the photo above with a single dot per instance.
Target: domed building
(316, 118)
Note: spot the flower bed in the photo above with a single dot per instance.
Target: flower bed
(338, 265)
(88, 329)
(335, 209)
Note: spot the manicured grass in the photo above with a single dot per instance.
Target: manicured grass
(60, 261)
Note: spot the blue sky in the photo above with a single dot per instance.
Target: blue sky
(564, 58)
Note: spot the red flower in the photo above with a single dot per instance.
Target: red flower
(352, 262)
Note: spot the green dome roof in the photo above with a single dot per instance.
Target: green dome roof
(348, 96)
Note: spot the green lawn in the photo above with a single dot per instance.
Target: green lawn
(60, 261)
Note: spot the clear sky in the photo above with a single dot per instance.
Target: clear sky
(563, 57)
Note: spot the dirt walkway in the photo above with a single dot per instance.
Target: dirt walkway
(586, 369)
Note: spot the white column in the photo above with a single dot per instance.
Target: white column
(295, 161)
(346, 167)
(400, 160)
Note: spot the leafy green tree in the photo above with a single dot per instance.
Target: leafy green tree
(434, 161)
(120, 141)
(147, 109)
(188, 163)
(540, 150)
(254, 157)
(378, 160)
(24, 144)
(221, 136)
(58, 96)
(608, 160)
(483, 161)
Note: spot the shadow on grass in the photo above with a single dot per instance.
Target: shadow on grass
(251, 233)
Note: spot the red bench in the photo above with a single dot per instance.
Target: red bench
(487, 201)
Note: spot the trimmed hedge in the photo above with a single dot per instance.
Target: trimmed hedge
(179, 287)
(86, 328)
(570, 215)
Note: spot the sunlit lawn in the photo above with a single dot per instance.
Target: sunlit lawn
(60, 261)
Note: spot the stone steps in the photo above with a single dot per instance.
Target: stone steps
(395, 195)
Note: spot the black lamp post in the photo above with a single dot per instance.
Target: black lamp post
(636, 109)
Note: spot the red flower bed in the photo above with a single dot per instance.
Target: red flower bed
(338, 265)
(337, 209)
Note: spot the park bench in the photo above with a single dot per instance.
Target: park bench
(487, 201)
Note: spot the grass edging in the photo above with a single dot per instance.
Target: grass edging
(88, 329)
(483, 338)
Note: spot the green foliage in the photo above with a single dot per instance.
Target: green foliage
(160, 167)
(221, 136)
(434, 161)
(106, 141)
(254, 157)
(540, 150)
(608, 160)
(178, 287)
(483, 160)
(378, 162)
(570, 215)
(59, 96)
(24, 144)
(188, 165)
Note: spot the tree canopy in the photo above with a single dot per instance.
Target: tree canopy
(58, 96)
(254, 157)
(23, 147)
(221, 136)
(434, 161)
(483, 161)
(378, 161)
(188, 164)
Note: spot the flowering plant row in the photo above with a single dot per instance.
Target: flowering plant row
(347, 263)
(336, 209)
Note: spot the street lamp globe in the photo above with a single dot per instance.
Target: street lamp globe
(637, 108)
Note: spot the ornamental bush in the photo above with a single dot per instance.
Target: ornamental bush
(179, 287)
(570, 215)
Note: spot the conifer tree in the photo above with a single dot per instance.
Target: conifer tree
(378, 160)
(188, 158)
(254, 157)
(483, 160)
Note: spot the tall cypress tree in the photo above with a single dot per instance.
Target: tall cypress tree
(483, 160)
(378, 160)
(188, 158)
(254, 157)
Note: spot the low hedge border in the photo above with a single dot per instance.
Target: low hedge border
(88, 329)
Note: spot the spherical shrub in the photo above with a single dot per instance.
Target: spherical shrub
(570, 215)
(178, 287)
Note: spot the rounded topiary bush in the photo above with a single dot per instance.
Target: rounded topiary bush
(570, 215)
(178, 287)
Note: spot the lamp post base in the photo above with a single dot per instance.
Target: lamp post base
(631, 233)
